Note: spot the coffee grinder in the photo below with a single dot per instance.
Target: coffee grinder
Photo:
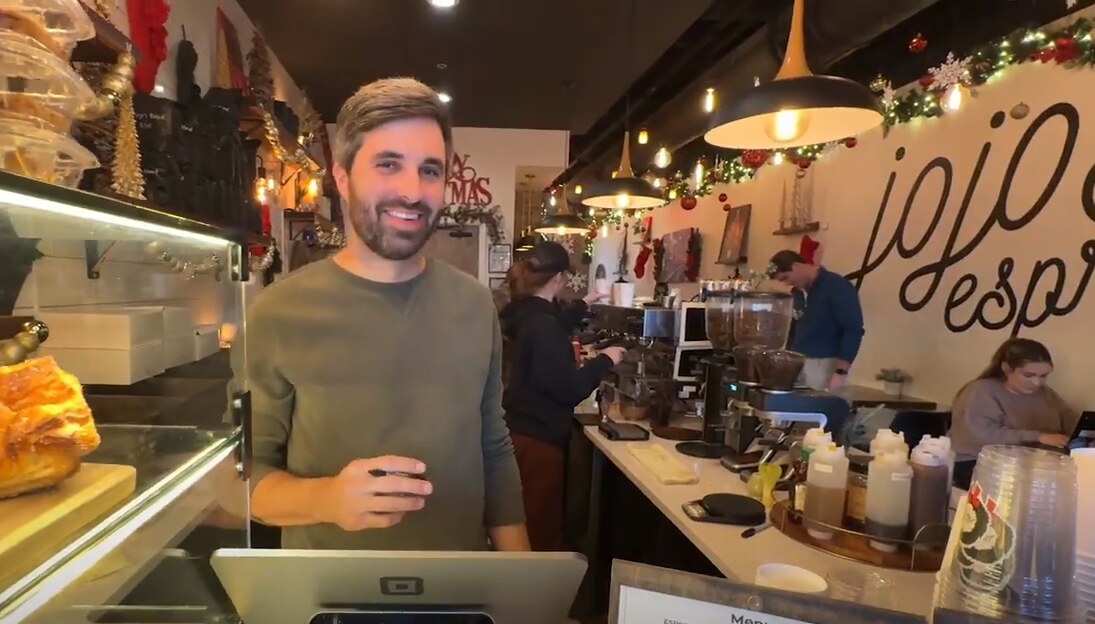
(718, 374)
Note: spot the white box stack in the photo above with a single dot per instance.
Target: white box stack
(206, 341)
(178, 334)
(112, 346)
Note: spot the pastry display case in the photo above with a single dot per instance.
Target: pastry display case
(123, 431)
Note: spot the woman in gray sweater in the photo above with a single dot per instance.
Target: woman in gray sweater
(1009, 403)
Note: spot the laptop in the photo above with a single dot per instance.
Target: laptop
(1083, 435)
(408, 587)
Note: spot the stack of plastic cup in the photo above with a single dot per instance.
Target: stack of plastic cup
(1085, 517)
(1016, 553)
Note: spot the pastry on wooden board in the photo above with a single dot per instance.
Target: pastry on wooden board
(45, 426)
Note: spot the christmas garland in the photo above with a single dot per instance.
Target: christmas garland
(490, 216)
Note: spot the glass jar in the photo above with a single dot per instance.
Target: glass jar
(719, 318)
(763, 319)
(855, 510)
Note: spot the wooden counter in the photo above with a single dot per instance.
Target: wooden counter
(735, 557)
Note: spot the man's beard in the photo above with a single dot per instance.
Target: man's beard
(387, 242)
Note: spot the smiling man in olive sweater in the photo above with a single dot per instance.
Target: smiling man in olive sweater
(376, 375)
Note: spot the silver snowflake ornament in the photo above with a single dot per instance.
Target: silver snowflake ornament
(888, 95)
(953, 71)
(567, 243)
(576, 282)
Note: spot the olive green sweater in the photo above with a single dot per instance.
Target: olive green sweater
(342, 368)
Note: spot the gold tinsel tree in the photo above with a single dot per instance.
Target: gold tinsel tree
(126, 176)
(259, 73)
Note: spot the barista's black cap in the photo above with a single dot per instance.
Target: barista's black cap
(549, 257)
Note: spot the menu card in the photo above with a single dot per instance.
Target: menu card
(641, 606)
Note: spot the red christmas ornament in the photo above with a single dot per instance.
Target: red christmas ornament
(726, 207)
(1047, 55)
(918, 44)
(804, 164)
(722, 197)
(851, 142)
(926, 80)
(688, 202)
(1066, 49)
(754, 158)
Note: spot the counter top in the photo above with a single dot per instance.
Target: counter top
(863, 396)
(735, 557)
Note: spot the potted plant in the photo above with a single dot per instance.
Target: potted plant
(893, 380)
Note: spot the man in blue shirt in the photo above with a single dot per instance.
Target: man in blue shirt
(829, 320)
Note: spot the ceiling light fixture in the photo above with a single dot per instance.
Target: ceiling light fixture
(797, 107)
(563, 222)
(624, 191)
(662, 158)
(444, 4)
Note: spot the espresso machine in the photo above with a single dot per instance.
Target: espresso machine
(768, 411)
(641, 386)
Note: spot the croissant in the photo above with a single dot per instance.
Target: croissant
(45, 426)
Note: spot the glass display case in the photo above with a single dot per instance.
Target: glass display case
(142, 308)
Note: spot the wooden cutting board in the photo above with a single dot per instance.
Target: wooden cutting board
(34, 526)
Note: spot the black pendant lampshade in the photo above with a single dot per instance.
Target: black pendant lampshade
(796, 108)
(562, 222)
(625, 191)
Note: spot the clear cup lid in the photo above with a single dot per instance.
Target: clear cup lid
(35, 82)
(55, 24)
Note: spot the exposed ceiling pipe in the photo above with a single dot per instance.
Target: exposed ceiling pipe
(834, 30)
(718, 29)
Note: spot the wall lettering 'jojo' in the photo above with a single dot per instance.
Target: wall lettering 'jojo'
(1011, 304)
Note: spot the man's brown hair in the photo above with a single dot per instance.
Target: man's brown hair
(384, 101)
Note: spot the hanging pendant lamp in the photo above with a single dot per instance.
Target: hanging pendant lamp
(625, 191)
(563, 222)
(797, 107)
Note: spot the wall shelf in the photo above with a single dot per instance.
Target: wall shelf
(107, 44)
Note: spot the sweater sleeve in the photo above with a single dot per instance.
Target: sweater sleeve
(849, 319)
(272, 396)
(1068, 417)
(552, 366)
(985, 421)
(504, 503)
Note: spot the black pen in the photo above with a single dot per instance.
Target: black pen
(750, 532)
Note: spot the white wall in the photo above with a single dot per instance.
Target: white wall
(936, 342)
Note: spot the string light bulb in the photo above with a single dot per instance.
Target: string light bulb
(270, 183)
(644, 137)
(777, 158)
(577, 189)
(955, 97)
(709, 100)
(313, 187)
(551, 201)
(672, 194)
(788, 126)
(662, 158)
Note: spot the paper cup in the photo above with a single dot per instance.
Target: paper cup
(623, 294)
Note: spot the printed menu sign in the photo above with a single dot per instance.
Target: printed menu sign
(640, 606)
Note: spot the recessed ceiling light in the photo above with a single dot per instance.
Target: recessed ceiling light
(445, 97)
(444, 4)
